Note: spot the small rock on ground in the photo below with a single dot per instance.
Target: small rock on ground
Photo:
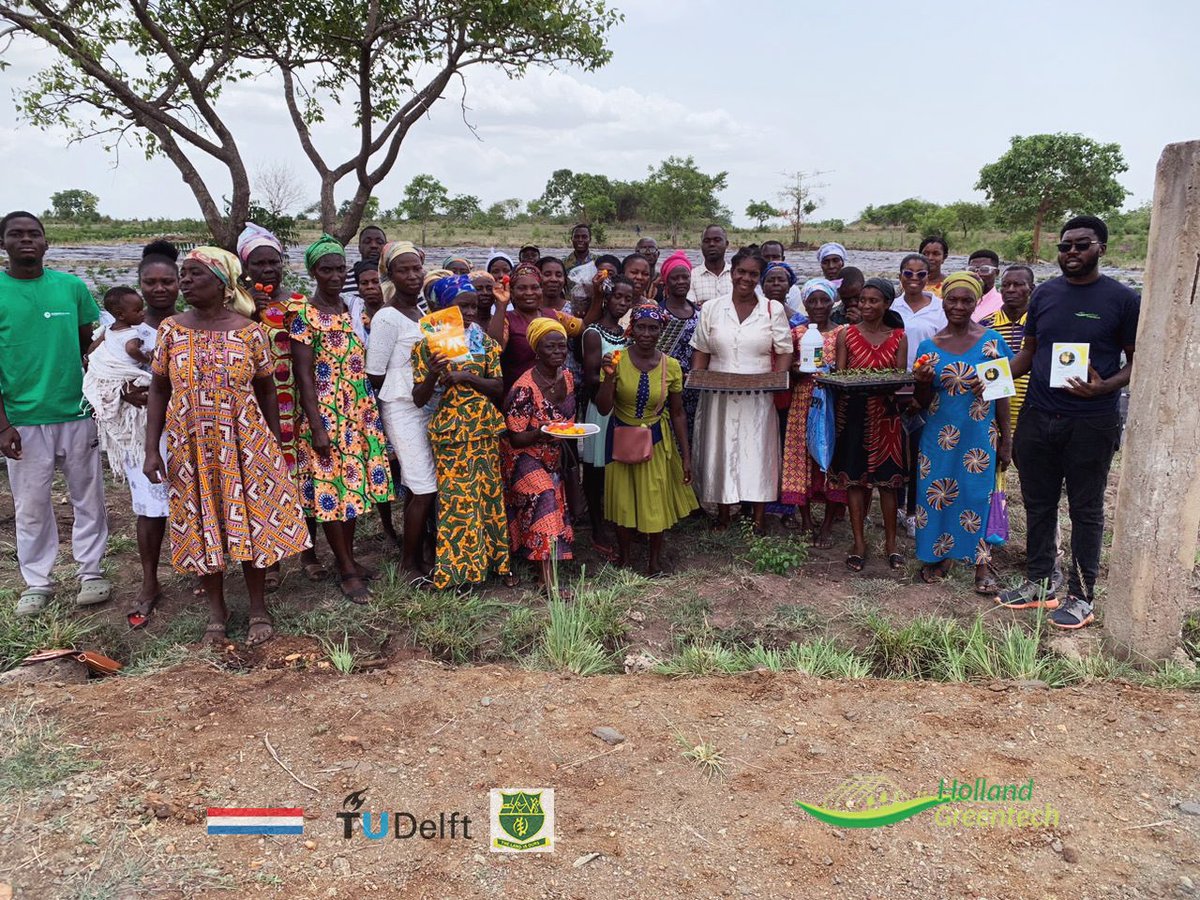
(608, 734)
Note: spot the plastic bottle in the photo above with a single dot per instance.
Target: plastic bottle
(812, 350)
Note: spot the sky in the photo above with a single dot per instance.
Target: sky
(887, 100)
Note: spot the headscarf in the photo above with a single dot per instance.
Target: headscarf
(540, 327)
(678, 258)
(255, 236)
(453, 259)
(526, 269)
(813, 285)
(884, 287)
(325, 245)
(228, 270)
(791, 273)
(480, 275)
(831, 249)
(969, 280)
(496, 254)
(444, 291)
(646, 311)
(432, 278)
(392, 249)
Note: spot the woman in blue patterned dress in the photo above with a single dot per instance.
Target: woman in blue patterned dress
(963, 439)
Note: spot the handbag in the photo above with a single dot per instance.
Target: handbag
(997, 523)
(821, 427)
(634, 444)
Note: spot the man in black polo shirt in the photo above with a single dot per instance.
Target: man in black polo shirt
(1069, 434)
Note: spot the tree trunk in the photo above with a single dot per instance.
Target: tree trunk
(1158, 501)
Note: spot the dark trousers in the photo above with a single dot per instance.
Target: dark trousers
(1050, 450)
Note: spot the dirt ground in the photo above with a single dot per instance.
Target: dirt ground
(1115, 761)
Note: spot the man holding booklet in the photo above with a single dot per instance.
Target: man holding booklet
(1077, 329)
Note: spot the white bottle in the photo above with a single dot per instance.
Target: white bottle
(812, 350)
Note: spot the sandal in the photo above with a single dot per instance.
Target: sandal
(855, 563)
(314, 571)
(895, 562)
(360, 595)
(931, 574)
(605, 551)
(140, 614)
(215, 628)
(251, 640)
(511, 579)
(94, 591)
(271, 581)
(33, 600)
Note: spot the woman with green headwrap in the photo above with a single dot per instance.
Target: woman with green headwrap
(340, 445)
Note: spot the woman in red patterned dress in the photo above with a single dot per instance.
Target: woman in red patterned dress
(871, 447)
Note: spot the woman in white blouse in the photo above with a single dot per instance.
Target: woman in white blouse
(394, 333)
(737, 435)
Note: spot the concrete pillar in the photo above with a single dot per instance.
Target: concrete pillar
(1158, 502)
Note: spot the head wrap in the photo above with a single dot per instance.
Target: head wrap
(477, 275)
(392, 249)
(540, 327)
(325, 245)
(453, 259)
(968, 280)
(813, 285)
(228, 270)
(884, 287)
(678, 258)
(526, 269)
(646, 311)
(791, 273)
(496, 254)
(431, 278)
(444, 291)
(255, 236)
(831, 249)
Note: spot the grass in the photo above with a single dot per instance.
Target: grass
(34, 754)
(707, 757)
(340, 655)
(571, 640)
(161, 651)
(56, 627)
(774, 555)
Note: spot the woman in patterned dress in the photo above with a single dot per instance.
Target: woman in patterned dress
(231, 494)
(472, 538)
(683, 317)
(871, 447)
(802, 480)
(341, 449)
(539, 528)
(261, 253)
(963, 439)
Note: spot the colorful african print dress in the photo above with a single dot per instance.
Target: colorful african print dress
(592, 449)
(279, 344)
(956, 465)
(230, 492)
(651, 496)
(355, 475)
(472, 532)
(676, 342)
(871, 448)
(802, 480)
(534, 493)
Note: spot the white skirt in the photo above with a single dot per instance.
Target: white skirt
(737, 448)
(407, 427)
(149, 500)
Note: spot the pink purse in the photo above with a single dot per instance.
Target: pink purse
(634, 444)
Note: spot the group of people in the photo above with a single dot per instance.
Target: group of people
(257, 420)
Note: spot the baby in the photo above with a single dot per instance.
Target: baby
(128, 333)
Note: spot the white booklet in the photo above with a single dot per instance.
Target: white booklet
(1068, 361)
(997, 379)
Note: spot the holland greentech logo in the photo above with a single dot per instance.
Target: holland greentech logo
(522, 820)
(868, 801)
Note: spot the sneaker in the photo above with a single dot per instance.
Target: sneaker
(1028, 596)
(1075, 613)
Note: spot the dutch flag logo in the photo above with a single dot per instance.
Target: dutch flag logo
(248, 820)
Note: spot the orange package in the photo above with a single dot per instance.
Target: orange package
(446, 333)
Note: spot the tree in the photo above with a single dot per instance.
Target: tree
(424, 198)
(905, 214)
(370, 212)
(799, 201)
(968, 216)
(277, 189)
(760, 211)
(75, 204)
(158, 75)
(462, 207)
(677, 193)
(1047, 176)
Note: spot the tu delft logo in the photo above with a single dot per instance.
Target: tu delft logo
(522, 820)
(401, 825)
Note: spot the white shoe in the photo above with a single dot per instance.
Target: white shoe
(910, 526)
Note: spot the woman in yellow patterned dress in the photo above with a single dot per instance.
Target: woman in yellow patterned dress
(341, 449)
(465, 429)
(231, 495)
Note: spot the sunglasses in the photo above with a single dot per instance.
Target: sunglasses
(983, 270)
(909, 273)
(1077, 246)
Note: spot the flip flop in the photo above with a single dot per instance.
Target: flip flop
(138, 619)
(895, 562)
(271, 581)
(855, 563)
(216, 628)
(605, 551)
(260, 620)
(360, 595)
(929, 575)
(314, 571)
(511, 579)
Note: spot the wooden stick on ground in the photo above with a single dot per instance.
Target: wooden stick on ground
(283, 765)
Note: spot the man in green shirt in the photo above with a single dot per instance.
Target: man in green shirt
(46, 320)
(581, 244)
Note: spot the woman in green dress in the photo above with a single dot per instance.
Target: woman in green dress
(644, 387)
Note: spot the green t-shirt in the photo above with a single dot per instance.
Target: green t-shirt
(41, 376)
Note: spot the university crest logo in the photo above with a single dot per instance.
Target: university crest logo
(522, 820)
